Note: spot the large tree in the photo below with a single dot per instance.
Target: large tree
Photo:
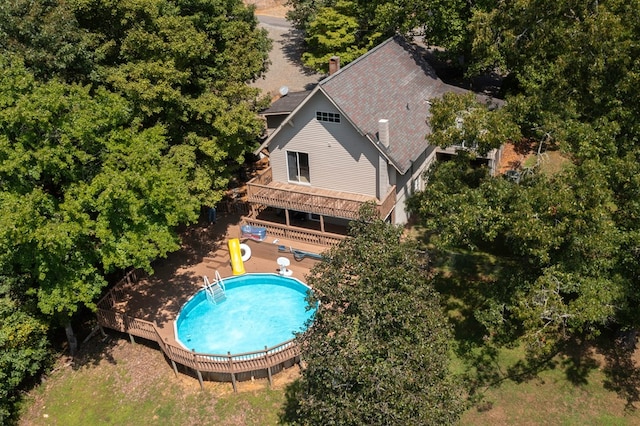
(360, 24)
(560, 235)
(572, 70)
(378, 349)
(181, 64)
(85, 191)
(118, 121)
(575, 66)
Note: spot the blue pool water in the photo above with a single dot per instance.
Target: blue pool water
(260, 310)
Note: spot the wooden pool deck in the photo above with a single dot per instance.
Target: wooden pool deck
(159, 297)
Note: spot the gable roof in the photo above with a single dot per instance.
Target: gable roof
(392, 81)
(286, 104)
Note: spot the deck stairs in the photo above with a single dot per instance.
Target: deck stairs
(215, 290)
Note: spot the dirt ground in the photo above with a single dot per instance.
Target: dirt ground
(274, 8)
(511, 159)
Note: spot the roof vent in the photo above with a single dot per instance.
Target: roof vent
(383, 132)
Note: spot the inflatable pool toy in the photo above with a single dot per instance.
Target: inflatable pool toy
(237, 264)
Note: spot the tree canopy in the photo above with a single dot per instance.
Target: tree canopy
(378, 349)
(183, 65)
(570, 85)
(358, 24)
(118, 122)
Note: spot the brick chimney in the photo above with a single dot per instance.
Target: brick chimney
(334, 64)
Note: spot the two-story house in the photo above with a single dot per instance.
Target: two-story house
(359, 136)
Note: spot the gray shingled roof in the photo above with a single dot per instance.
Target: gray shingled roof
(394, 82)
(286, 104)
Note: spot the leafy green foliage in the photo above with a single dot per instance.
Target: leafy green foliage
(183, 65)
(47, 36)
(332, 33)
(23, 348)
(438, 22)
(84, 191)
(118, 121)
(573, 235)
(574, 63)
(378, 350)
(462, 120)
(562, 232)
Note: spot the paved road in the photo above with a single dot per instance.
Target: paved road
(286, 68)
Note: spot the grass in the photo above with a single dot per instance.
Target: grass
(591, 383)
(115, 382)
(550, 398)
(134, 385)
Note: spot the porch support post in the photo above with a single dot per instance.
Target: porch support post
(322, 224)
(286, 217)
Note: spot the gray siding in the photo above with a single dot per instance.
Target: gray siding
(404, 183)
(350, 165)
(341, 159)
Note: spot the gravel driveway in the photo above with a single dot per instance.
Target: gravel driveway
(286, 68)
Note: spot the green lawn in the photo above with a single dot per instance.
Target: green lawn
(115, 382)
(133, 385)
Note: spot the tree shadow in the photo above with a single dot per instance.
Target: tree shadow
(578, 361)
(467, 281)
(289, 412)
(292, 43)
(97, 349)
(623, 375)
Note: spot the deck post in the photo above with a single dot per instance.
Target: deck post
(322, 223)
(195, 362)
(286, 217)
(200, 379)
(233, 375)
(126, 324)
(266, 356)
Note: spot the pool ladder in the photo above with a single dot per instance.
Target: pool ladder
(215, 291)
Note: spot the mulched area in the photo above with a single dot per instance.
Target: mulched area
(515, 154)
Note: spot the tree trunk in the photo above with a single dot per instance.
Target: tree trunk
(71, 338)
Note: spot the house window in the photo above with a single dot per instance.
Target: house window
(329, 117)
(298, 164)
(416, 186)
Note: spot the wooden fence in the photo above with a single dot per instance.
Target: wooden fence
(217, 367)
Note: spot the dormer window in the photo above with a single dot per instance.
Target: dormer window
(328, 117)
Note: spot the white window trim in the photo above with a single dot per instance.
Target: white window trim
(298, 182)
(337, 117)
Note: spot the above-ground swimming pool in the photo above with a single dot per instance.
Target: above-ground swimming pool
(259, 310)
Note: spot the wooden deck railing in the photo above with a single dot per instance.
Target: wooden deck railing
(295, 233)
(260, 192)
(229, 364)
(387, 205)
